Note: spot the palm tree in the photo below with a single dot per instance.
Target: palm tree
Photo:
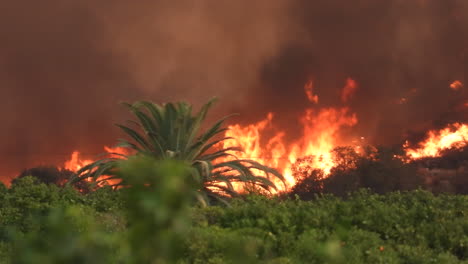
(171, 131)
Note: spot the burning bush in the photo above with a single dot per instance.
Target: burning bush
(380, 170)
(309, 179)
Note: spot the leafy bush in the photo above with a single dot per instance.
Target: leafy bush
(26, 198)
(3, 189)
(157, 205)
(67, 235)
(105, 199)
(368, 228)
(155, 220)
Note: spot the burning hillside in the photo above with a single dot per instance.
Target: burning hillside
(323, 131)
(454, 136)
(305, 76)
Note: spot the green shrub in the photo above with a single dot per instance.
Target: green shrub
(155, 220)
(158, 206)
(3, 190)
(25, 199)
(105, 199)
(67, 235)
(220, 245)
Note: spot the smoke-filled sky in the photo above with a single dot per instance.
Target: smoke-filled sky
(65, 65)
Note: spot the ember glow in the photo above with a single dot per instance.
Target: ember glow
(453, 136)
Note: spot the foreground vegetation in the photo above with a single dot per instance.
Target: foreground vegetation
(158, 221)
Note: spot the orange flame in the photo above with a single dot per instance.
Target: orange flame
(116, 152)
(75, 163)
(309, 90)
(320, 136)
(456, 85)
(453, 136)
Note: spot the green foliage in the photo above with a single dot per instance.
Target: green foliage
(171, 131)
(105, 199)
(70, 227)
(158, 208)
(364, 228)
(220, 245)
(3, 189)
(67, 235)
(26, 198)
(155, 221)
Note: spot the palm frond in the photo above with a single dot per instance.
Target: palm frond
(136, 136)
(171, 130)
(197, 121)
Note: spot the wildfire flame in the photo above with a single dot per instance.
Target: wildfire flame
(309, 90)
(320, 135)
(265, 143)
(456, 85)
(75, 163)
(453, 136)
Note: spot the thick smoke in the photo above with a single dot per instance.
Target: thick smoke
(193, 50)
(403, 54)
(60, 82)
(64, 65)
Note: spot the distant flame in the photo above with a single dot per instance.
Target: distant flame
(349, 90)
(402, 100)
(453, 136)
(309, 90)
(456, 85)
